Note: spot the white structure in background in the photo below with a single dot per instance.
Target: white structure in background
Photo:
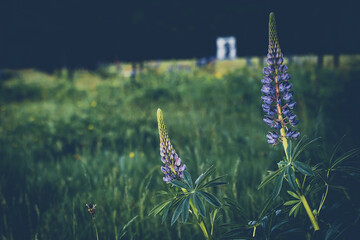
(226, 48)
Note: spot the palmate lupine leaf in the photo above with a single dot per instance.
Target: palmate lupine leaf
(175, 202)
(293, 194)
(210, 198)
(181, 203)
(212, 183)
(186, 208)
(278, 184)
(188, 180)
(295, 209)
(335, 150)
(204, 176)
(303, 168)
(180, 184)
(291, 178)
(166, 211)
(177, 213)
(270, 177)
(265, 208)
(291, 202)
(300, 147)
(159, 208)
(199, 204)
(344, 157)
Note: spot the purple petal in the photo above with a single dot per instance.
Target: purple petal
(266, 80)
(293, 123)
(178, 161)
(295, 135)
(182, 168)
(277, 125)
(291, 105)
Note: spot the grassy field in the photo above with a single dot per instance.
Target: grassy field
(93, 138)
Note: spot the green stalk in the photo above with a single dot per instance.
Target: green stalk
(302, 197)
(96, 231)
(201, 223)
(309, 212)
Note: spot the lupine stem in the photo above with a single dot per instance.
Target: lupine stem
(284, 142)
(195, 212)
(309, 212)
(302, 197)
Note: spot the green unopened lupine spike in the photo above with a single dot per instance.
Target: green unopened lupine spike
(273, 38)
(162, 127)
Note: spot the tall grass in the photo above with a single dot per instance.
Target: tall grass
(93, 139)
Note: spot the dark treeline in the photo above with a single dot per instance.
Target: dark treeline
(53, 34)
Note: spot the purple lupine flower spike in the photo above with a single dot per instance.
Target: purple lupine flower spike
(174, 167)
(277, 97)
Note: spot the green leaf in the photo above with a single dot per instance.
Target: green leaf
(348, 169)
(303, 168)
(270, 177)
(211, 183)
(236, 208)
(337, 146)
(128, 223)
(162, 192)
(291, 202)
(278, 184)
(267, 205)
(294, 208)
(158, 208)
(344, 157)
(210, 199)
(188, 180)
(293, 194)
(177, 213)
(301, 146)
(204, 176)
(199, 205)
(186, 208)
(291, 178)
(288, 151)
(180, 184)
(166, 211)
(296, 147)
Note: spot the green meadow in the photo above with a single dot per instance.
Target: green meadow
(68, 139)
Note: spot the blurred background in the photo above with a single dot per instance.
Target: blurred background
(80, 83)
(54, 34)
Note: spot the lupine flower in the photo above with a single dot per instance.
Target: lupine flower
(173, 167)
(278, 99)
